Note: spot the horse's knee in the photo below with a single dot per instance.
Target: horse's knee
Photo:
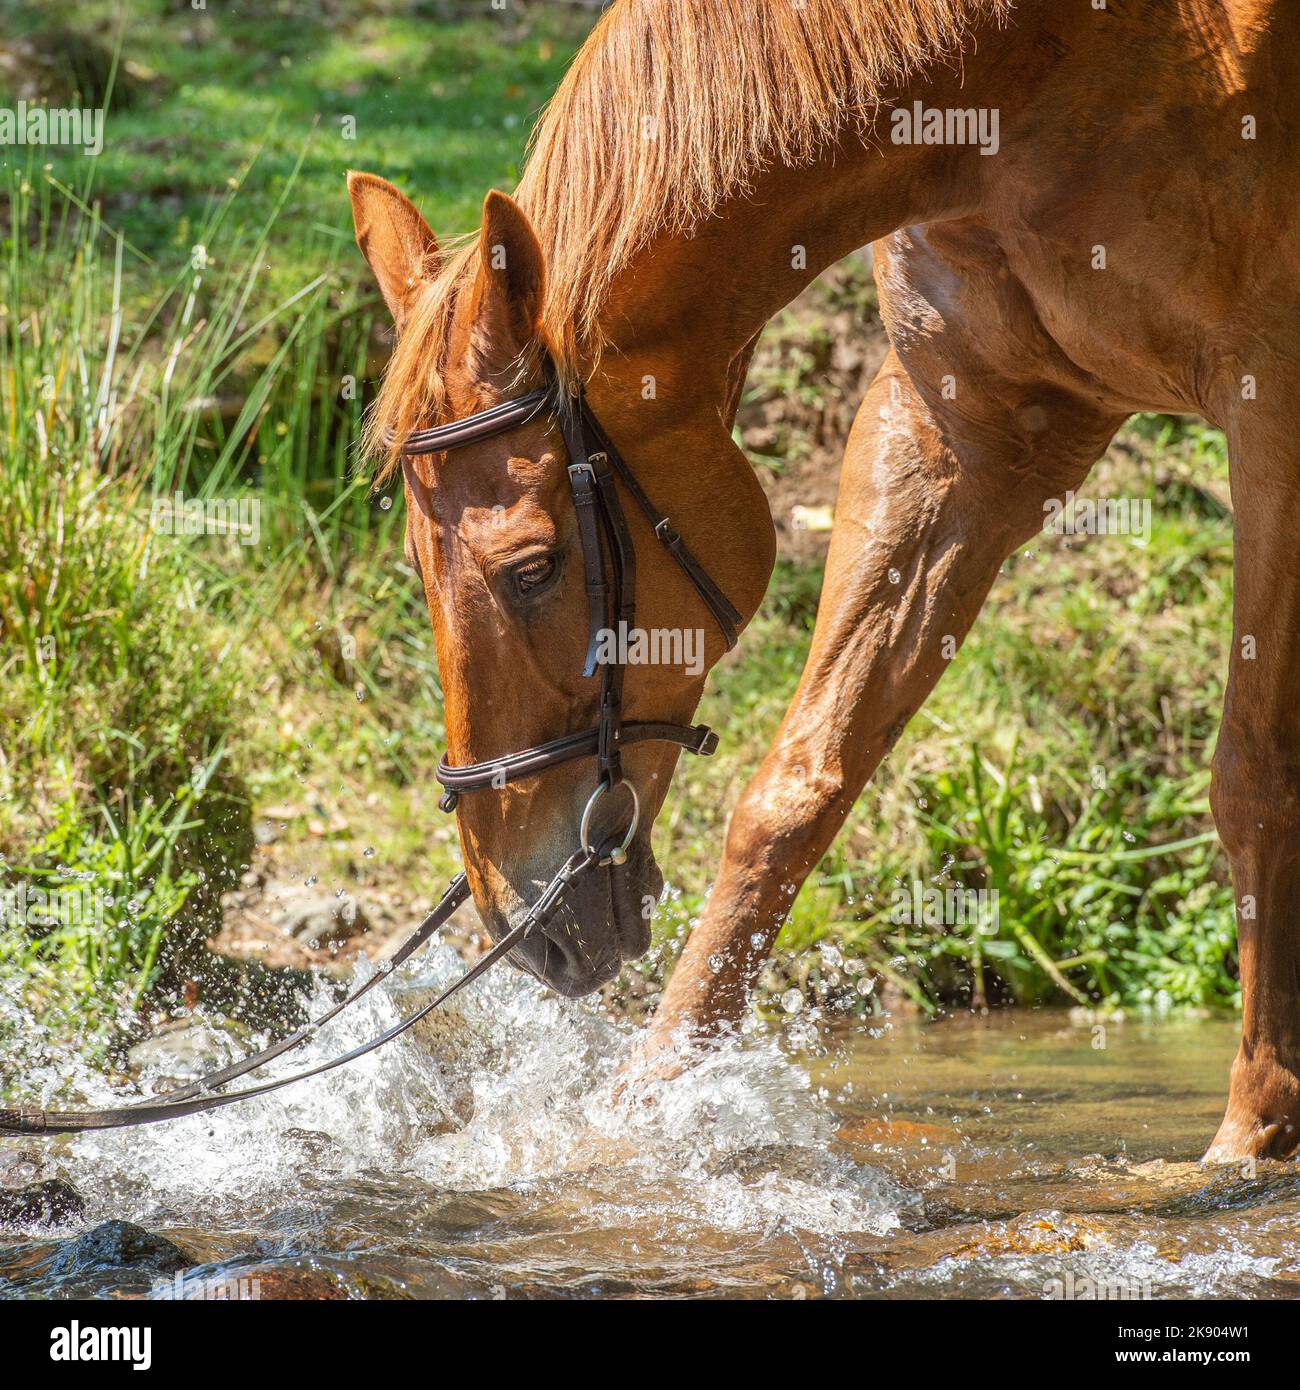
(786, 815)
(1255, 793)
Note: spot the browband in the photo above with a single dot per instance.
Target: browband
(487, 424)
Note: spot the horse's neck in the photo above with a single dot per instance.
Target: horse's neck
(680, 326)
(682, 316)
(705, 296)
(693, 303)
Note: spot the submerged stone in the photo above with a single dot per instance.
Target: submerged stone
(115, 1244)
(180, 1053)
(41, 1204)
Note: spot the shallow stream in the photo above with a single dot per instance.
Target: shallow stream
(1026, 1155)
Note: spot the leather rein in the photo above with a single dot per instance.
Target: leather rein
(595, 469)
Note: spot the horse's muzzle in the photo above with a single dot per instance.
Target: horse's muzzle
(604, 921)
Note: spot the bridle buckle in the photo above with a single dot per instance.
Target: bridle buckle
(666, 534)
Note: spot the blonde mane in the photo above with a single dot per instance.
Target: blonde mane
(671, 108)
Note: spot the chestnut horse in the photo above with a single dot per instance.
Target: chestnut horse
(1098, 220)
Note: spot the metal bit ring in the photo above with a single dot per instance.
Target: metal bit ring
(619, 854)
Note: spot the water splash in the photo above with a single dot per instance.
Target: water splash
(1115, 1271)
(492, 1154)
(509, 1088)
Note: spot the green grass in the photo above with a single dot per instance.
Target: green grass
(158, 689)
(94, 948)
(436, 97)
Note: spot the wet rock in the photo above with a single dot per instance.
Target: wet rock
(315, 1145)
(300, 1280)
(117, 1244)
(1035, 1233)
(290, 1283)
(375, 1288)
(876, 1130)
(244, 1285)
(41, 1204)
(324, 919)
(456, 1050)
(446, 1034)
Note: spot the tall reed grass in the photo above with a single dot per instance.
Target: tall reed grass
(124, 647)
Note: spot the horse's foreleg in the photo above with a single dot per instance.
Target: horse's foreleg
(926, 514)
(1255, 794)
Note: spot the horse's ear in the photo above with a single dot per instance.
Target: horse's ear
(394, 238)
(510, 286)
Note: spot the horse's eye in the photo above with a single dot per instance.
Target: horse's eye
(535, 574)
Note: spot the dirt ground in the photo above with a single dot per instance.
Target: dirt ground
(807, 380)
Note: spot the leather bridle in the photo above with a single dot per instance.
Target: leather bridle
(595, 469)
(594, 464)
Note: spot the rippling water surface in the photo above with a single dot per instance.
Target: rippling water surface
(492, 1155)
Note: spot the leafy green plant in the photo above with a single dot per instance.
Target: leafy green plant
(1108, 903)
(109, 889)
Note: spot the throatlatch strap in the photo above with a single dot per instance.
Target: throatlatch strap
(724, 612)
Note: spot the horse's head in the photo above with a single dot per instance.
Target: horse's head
(492, 531)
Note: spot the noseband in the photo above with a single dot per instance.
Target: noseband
(595, 469)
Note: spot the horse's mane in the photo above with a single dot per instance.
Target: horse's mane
(671, 108)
